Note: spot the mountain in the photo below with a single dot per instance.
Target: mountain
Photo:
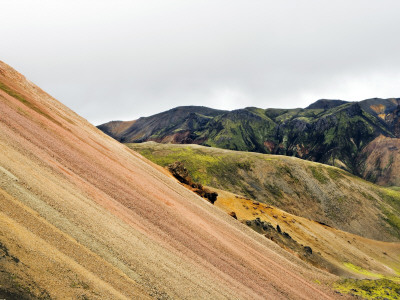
(311, 190)
(326, 104)
(181, 120)
(381, 161)
(333, 132)
(84, 217)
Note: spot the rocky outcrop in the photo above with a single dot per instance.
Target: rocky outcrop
(179, 171)
(284, 240)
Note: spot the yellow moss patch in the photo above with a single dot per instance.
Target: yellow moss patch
(370, 289)
(359, 270)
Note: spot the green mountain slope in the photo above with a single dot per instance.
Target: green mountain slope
(319, 192)
(174, 125)
(334, 132)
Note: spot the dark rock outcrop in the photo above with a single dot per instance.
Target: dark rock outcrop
(179, 171)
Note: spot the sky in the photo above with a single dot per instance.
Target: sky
(120, 60)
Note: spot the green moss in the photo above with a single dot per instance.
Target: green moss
(274, 190)
(334, 173)
(367, 273)
(369, 289)
(319, 175)
(368, 196)
(21, 98)
(202, 167)
(359, 270)
(390, 196)
(393, 220)
(285, 170)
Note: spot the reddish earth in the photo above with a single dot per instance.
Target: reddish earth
(119, 127)
(381, 161)
(82, 216)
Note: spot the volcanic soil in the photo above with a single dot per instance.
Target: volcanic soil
(84, 217)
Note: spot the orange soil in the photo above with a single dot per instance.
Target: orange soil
(336, 246)
(87, 217)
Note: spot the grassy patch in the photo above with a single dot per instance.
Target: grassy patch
(368, 196)
(319, 175)
(369, 289)
(203, 168)
(334, 174)
(274, 190)
(285, 170)
(391, 196)
(362, 271)
(393, 220)
(359, 270)
(395, 188)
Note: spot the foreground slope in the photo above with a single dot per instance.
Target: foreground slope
(312, 190)
(336, 251)
(333, 132)
(82, 216)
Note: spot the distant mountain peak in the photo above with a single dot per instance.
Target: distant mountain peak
(326, 104)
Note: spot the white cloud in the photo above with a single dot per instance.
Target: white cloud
(126, 59)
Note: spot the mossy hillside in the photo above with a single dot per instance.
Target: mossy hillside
(313, 190)
(331, 132)
(390, 207)
(203, 168)
(193, 122)
(369, 274)
(318, 174)
(243, 130)
(369, 289)
(375, 286)
(314, 134)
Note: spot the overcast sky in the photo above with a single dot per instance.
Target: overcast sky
(119, 60)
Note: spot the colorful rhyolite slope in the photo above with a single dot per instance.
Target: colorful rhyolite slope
(82, 216)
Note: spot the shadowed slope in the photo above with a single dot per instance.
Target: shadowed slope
(84, 216)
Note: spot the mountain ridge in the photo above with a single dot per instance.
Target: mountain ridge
(335, 134)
